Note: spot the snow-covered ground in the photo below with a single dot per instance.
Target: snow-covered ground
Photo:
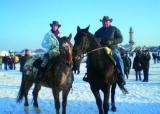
(143, 97)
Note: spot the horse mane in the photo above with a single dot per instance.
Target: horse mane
(96, 40)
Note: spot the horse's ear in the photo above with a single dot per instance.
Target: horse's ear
(70, 36)
(78, 28)
(87, 29)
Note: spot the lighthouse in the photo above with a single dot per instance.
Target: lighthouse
(131, 42)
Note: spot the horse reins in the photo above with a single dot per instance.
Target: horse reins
(97, 49)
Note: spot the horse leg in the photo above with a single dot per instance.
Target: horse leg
(98, 100)
(64, 102)
(56, 100)
(35, 96)
(26, 104)
(113, 107)
(106, 99)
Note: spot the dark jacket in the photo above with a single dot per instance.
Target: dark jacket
(5, 60)
(137, 63)
(126, 61)
(111, 33)
(145, 63)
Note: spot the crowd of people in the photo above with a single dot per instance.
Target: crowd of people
(9, 62)
(141, 62)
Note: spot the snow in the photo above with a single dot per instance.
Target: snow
(143, 97)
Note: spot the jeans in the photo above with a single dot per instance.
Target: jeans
(138, 75)
(119, 61)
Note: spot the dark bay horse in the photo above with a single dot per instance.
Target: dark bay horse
(102, 72)
(58, 77)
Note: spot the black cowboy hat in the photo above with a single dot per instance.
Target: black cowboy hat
(55, 23)
(106, 18)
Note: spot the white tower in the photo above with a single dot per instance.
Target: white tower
(131, 42)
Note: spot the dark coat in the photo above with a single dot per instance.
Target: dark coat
(5, 60)
(154, 55)
(126, 61)
(137, 63)
(145, 63)
(111, 33)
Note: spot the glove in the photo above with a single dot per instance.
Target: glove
(109, 42)
(53, 47)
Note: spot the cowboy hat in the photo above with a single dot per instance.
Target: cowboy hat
(106, 18)
(55, 23)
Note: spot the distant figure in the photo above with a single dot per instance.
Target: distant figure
(1, 61)
(154, 55)
(14, 63)
(22, 62)
(130, 61)
(24, 58)
(5, 61)
(158, 57)
(127, 63)
(145, 64)
(11, 62)
(137, 65)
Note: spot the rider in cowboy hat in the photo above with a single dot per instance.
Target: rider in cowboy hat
(110, 36)
(51, 44)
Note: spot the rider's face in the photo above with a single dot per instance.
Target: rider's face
(55, 27)
(106, 23)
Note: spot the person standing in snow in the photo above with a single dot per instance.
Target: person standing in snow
(145, 64)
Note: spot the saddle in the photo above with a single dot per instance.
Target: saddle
(110, 54)
(37, 63)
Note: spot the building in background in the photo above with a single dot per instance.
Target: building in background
(131, 40)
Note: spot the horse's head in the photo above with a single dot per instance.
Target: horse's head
(66, 47)
(82, 41)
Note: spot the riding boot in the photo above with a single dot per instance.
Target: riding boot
(40, 75)
(121, 78)
(121, 82)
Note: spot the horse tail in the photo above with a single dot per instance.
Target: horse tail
(22, 89)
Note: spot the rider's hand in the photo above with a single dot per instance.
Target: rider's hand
(109, 42)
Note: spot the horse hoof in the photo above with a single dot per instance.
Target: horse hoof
(114, 109)
(37, 110)
(26, 109)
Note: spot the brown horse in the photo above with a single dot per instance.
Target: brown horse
(58, 77)
(101, 70)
